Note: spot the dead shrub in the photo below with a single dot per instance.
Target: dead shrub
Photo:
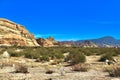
(114, 72)
(21, 68)
(80, 67)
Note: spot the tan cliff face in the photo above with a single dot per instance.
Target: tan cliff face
(14, 34)
(49, 42)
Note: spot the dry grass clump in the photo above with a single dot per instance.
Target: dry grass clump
(48, 69)
(80, 67)
(114, 71)
(21, 68)
(5, 64)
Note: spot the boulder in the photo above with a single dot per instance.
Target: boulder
(5, 55)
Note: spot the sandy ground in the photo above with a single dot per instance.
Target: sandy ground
(38, 72)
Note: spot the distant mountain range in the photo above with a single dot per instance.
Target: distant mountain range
(107, 41)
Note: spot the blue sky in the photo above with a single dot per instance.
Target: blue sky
(65, 19)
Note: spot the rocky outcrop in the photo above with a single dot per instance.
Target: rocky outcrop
(14, 34)
(88, 44)
(49, 42)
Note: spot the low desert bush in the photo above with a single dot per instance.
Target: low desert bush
(80, 67)
(21, 68)
(15, 54)
(32, 55)
(114, 72)
(106, 56)
(76, 58)
(44, 58)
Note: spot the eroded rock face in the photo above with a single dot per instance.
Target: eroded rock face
(14, 34)
(49, 42)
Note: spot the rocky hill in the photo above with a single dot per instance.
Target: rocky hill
(88, 44)
(85, 43)
(15, 34)
(106, 41)
(48, 42)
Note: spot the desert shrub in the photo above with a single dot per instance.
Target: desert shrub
(76, 57)
(80, 67)
(32, 55)
(28, 55)
(114, 53)
(114, 72)
(49, 72)
(21, 69)
(117, 51)
(15, 54)
(106, 56)
(58, 56)
(88, 52)
(44, 58)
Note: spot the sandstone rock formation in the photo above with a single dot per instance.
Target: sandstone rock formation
(14, 34)
(49, 42)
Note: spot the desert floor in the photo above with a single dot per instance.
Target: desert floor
(37, 71)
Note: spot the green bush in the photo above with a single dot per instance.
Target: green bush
(15, 54)
(106, 56)
(88, 52)
(76, 57)
(58, 55)
(44, 58)
(31, 55)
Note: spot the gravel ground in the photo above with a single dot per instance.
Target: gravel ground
(38, 73)
(60, 72)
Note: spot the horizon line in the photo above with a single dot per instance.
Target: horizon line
(68, 39)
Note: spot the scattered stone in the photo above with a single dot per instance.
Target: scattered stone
(5, 55)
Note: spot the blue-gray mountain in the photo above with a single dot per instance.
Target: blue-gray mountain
(106, 41)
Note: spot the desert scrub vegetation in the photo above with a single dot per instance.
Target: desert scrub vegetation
(107, 56)
(76, 57)
(20, 68)
(114, 71)
(42, 53)
(80, 68)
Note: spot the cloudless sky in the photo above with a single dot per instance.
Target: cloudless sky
(65, 19)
